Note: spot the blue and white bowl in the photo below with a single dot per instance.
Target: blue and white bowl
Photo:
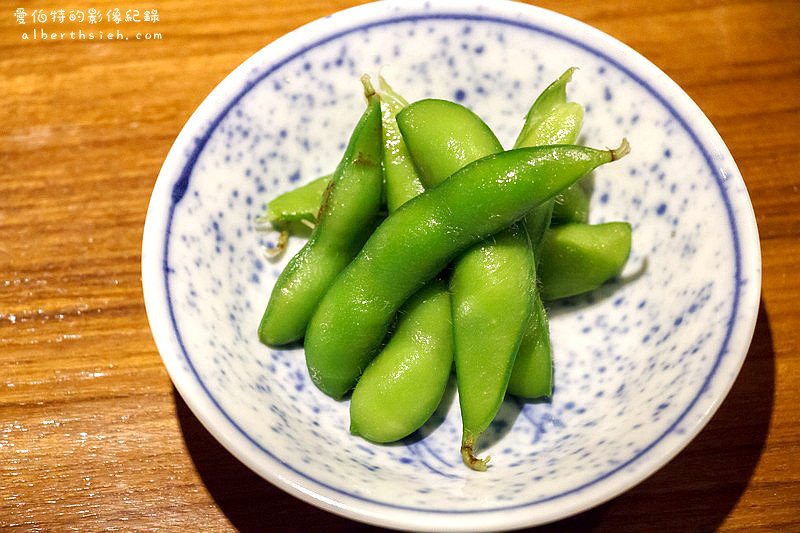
(640, 366)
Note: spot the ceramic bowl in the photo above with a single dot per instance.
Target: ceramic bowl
(640, 365)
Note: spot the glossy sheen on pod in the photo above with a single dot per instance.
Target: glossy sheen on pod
(418, 240)
(402, 180)
(453, 132)
(493, 281)
(492, 287)
(402, 387)
(550, 120)
(349, 209)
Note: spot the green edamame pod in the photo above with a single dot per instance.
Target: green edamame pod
(400, 176)
(551, 119)
(572, 205)
(301, 203)
(578, 258)
(402, 181)
(537, 222)
(490, 280)
(402, 387)
(458, 135)
(417, 241)
(492, 288)
(346, 217)
(532, 376)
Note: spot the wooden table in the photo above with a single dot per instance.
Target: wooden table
(94, 436)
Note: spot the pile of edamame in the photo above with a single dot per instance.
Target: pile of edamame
(474, 240)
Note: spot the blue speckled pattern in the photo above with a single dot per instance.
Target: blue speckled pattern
(638, 364)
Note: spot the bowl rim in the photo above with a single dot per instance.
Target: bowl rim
(173, 181)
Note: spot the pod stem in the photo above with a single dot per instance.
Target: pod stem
(279, 246)
(369, 90)
(621, 151)
(468, 455)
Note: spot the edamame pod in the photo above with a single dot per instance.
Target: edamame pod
(578, 258)
(347, 215)
(418, 240)
(492, 288)
(572, 205)
(532, 376)
(301, 203)
(402, 387)
(492, 279)
(551, 119)
(457, 134)
(402, 181)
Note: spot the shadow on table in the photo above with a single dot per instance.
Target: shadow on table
(694, 492)
(698, 489)
(249, 502)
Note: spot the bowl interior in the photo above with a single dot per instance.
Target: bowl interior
(639, 364)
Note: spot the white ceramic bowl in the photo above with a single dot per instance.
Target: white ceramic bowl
(641, 365)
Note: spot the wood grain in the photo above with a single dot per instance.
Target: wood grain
(92, 434)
